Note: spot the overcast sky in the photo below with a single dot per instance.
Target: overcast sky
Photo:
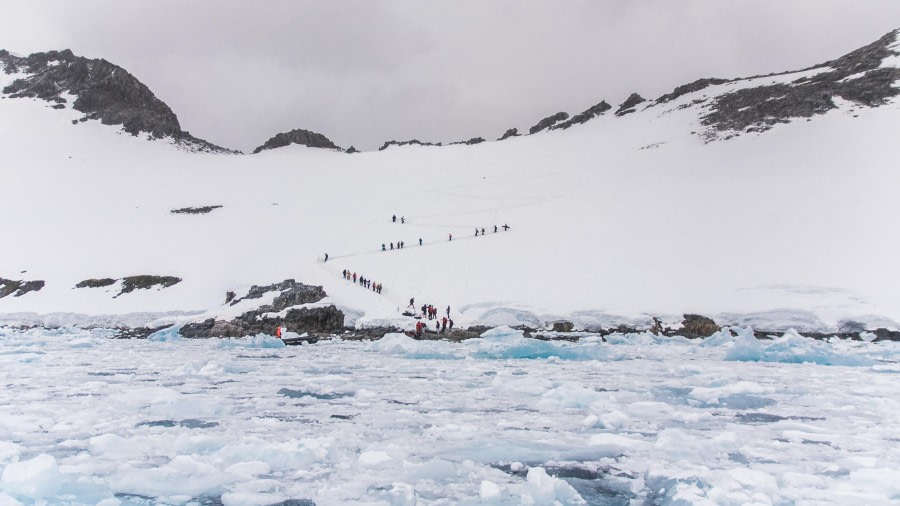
(365, 71)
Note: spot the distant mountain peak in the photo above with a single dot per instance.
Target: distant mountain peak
(298, 136)
(103, 91)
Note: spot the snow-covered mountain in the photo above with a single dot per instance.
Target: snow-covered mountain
(767, 200)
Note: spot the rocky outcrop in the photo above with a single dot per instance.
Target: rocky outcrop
(548, 122)
(684, 89)
(628, 106)
(312, 320)
(411, 142)
(146, 281)
(102, 91)
(292, 294)
(195, 210)
(351, 150)
(95, 283)
(18, 288)
(696, 326)
(512, 132)
(318, 320)
(297, 136)
(585, 116)
(857, 77)
(470, 142)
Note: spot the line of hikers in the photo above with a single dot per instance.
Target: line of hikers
(394, 219)
(400, 245)
(505, 228)
(363, 282)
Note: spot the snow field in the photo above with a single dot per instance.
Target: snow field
(780, 225)
(498, 420)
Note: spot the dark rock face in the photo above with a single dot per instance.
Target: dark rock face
(292, 294)
(195, 210)
(563, 326)
(146, 281)
(104, 91)
(298, 136)
(410, 142)
(697, 326)
(320, 320)
(473, 140)
(584, 116)
(548, 122)
(351, 150)
(512, 132)
(855, 76)
(95, 283)
(684, 89)
(628, 105)
(19, 288)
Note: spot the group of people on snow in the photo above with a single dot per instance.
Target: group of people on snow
(440, 326)
(505, 228)
(363, 282)
(394, 219)
(431, 312)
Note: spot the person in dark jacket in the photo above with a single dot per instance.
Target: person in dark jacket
(420, 241)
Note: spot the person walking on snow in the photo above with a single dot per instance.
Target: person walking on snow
(505, 227)
(402, 220)
(451, 237)
(420, 241)
(448, 311)
(326, 257)
(495, 229)
(476, 232)
(383, 248)
(394, 218)
(443, 324)
(354, 277)
(437, 326)
(450, 321)
(278, 332)
(412, 303)
(482, 232)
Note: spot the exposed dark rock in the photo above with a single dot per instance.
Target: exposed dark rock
(229, 296)
(584, 116)
(95, 283)
(628, 105)
(298, 136)
(886, 335)
(292, 294)
(104, 91)
(370, 333)
(548, 122)
(319, 320)
(684, 89)
(351, 150)
(473, 140)
(410, 142)
(855, 76)
(146, 281)
(696, 326)
(512, 132)
(195, 210)
(19, 288)
(563, 326)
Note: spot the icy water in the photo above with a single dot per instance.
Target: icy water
(500, 420)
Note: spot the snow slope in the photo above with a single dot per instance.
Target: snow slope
(615, 219)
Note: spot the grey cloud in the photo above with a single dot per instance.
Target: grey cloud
(364, 71)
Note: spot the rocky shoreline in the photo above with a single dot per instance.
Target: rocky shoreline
(299, 308)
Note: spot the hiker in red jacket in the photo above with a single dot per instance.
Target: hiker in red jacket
(443, 324)
(278, 332)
